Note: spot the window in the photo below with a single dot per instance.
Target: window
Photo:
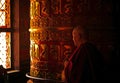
(5, 34)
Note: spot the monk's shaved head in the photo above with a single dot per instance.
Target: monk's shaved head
(79, 35)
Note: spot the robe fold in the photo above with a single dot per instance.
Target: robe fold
(85, 65)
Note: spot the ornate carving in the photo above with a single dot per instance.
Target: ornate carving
(48, 48)
(50, 34)
(59, 7)
(47, 13)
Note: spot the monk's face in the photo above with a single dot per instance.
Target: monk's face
(76, 37)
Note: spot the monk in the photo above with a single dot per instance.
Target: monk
(85, 65)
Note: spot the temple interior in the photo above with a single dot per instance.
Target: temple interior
(41, 37)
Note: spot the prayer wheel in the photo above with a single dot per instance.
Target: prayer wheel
(50, 37)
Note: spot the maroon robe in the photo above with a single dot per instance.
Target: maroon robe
(85, 65)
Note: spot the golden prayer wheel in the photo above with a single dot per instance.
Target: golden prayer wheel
(50, 37)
